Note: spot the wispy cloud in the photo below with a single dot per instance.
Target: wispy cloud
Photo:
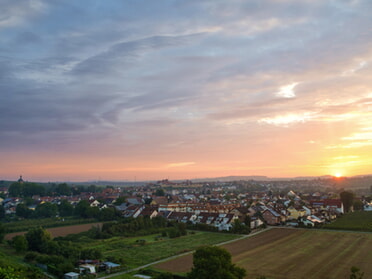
(287, 91)
(288, 119)
(180, 164)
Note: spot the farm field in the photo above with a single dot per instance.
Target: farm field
(294, 253)
(24, 225)
(60, 231)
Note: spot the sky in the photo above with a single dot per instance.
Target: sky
(149, 90)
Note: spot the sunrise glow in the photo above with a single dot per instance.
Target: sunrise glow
(118, 90)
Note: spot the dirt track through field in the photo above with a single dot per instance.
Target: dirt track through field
(61, 231)
(293, 254)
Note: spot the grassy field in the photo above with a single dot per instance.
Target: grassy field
(293, 254)
(136, 255)
(356, 221)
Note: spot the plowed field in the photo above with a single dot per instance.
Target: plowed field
(294, 254)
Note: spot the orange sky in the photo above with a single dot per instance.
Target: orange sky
(108, 91)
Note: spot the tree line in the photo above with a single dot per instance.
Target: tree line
(29, 189)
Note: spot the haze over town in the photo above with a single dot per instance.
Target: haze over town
(140, 90)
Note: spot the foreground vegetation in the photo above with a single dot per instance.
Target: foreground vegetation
(355, 221)
(128, 242)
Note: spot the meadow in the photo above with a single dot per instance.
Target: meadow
(356, 221)
(154, 248)
(295, 253)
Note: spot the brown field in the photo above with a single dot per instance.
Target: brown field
(60, 231)
(294, 254)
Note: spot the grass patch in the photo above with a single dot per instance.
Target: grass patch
(355, 221)
(135, 254)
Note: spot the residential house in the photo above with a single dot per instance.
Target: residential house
(157, 200)
(335, 204)
(256, 222)
(183, 217)
(133, 211)
(240, 212)
(149, 211)
(295, 212)
(271, 217)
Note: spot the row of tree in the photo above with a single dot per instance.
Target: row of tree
(64, 209)
(29, 189)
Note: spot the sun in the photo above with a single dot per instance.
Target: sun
(338, 174)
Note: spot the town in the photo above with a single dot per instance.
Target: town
(218, 204)
(164, 209)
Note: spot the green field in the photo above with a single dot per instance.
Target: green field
(356, 221)
(136, 255)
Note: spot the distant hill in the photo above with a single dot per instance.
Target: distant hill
(360, 181)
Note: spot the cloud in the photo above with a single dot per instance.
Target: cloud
(288, 119)
(188, 80)
(287, 91)
(181, 164)
(17, 12)
(126, 54)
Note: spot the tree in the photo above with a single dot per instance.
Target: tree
(212, 262)
(63, 189)
(91, 254)
(23, 211)
(239, 227)
(165, 275)
(159, 192)
(107, 214)
(2, 232)
(15, 189)
(37, 239)
(92, 212)
(20, 243)
(81, 208)
(92, 189)
(358, 205)
(65, 208)
(46, 210)
(356, 273)
(347, 199)
(8, 272)
(2, 212)
(30, 189)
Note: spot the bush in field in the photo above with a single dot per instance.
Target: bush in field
(212, 262)
(173, 233)
(356, 273)
(20, 243)
(37, 238)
